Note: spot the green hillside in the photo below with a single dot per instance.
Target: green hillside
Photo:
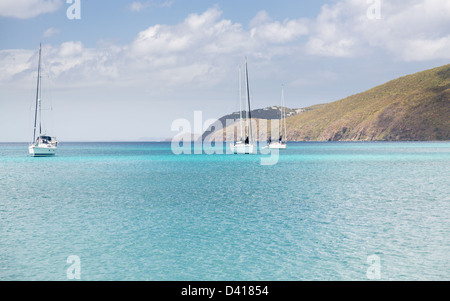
(413, 107)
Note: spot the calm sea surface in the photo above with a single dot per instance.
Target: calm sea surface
(136, 211)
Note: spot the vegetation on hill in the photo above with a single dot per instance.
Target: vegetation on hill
(413, 107)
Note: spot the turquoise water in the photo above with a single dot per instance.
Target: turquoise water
(135, 211)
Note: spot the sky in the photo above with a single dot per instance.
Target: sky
(126, 70)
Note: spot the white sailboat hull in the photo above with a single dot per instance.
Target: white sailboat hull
(244, 149)
(42, 150)
(277, 145)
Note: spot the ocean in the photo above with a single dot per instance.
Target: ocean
(136, 211)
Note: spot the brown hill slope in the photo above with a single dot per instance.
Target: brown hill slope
(413, 107)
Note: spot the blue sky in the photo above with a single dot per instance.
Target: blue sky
(126, 69)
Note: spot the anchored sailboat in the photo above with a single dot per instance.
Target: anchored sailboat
(42, 145)
(245, 145)
(282, 138)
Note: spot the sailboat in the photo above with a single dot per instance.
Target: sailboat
(42, 145)
(282, 140)
(245, 145)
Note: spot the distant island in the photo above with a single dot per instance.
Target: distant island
(411, 108)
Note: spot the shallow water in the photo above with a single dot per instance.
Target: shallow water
(136, 211)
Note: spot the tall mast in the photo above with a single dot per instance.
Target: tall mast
(280, 130)
(249, 113)
(40, 104)
(240, 103)
(284, 112)
(38, 97)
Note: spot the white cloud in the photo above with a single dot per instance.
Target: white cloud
(198, 34)
(138, 6)
(276, 32)
(200, 50)
(414, 30)
(167, 3)
(331, 32)
(74, 65)
(418, 31)
(159, 39)
(187, 52)
(25, 9)
(209, 17)
(209, 45)
(205, 48)
(426, 49)
(51, 32)
(341, 47)
(70, 64)
(261, 17)
(13, 63)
